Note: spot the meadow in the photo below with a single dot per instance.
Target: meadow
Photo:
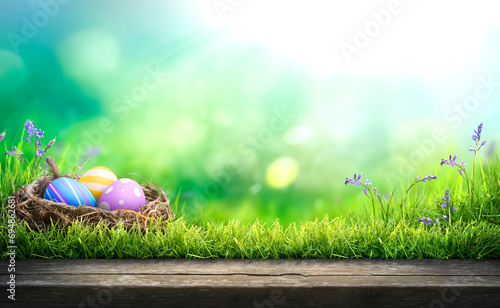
(461, 220)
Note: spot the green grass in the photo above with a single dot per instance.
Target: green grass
(473, 233)
(326, 238)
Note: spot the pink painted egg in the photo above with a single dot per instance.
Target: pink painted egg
(122, 194)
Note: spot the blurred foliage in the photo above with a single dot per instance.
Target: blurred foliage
(239, 130)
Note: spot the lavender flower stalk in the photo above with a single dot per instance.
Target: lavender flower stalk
(445, 205)
(477, 138)
(357, 181)
(14, 152)
(426, 178)
(37, 135)
(460, 167)
(428, 220)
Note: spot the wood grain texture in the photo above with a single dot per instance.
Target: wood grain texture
(255, 283)
(263, 267)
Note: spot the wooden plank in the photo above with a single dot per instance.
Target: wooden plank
(161, 291)
(262, 297)
(255, 283)
(261, 267)
(251, 281)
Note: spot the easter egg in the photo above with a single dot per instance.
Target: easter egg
(123, 194)
(69, 191)
(97, 180)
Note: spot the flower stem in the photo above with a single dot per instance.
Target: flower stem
(474, 174)
(449, 214)
(38, 162)
(408, 190)
(371, 194)
(34, 160)
(384, 213)
(466, 178)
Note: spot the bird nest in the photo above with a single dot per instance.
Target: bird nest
(39, 213)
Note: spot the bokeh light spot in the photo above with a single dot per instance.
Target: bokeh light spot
(12, 71)
(282, 172)
(298, 134)
(89, 54)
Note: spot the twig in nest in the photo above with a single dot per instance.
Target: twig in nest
(88, 214)
(134, 213)
(22, 188)
(23, 203)
(60, 215)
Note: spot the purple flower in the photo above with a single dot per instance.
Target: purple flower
(426, 178)
(444, 205)
(452, 162)
(30, 127)
(446, 199)
(423, 219)
(40, 152)
(39, 134)
(454, 209)
(478, 132)
(428, 220)
(28, 140)
(355, 181)
(12, 151)
(44, 167)
(477, 138)
(15, 152)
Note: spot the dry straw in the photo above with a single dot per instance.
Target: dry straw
(38, 212)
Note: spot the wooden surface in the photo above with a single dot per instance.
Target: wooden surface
(254, 283)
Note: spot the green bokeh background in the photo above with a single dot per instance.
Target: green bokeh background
(207, 126)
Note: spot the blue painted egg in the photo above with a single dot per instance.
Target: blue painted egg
(69, 191)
